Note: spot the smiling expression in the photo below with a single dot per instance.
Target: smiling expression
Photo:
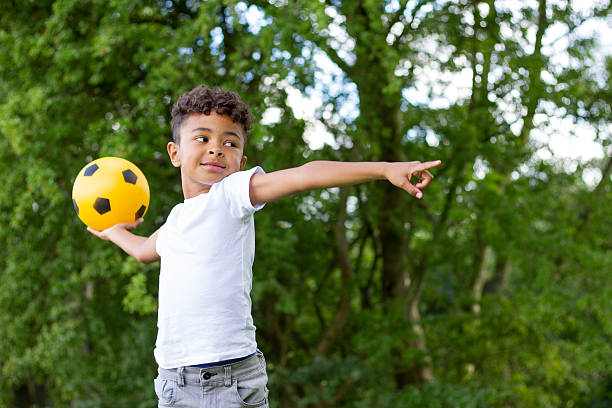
(211, 148)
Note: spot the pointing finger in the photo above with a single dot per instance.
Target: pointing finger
(427, 165)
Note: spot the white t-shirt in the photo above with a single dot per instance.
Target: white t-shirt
(207, 246)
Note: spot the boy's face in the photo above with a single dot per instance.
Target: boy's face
(210, 149)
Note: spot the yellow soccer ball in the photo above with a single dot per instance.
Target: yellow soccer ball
(108, 191)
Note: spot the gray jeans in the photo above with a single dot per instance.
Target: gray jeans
(241, 384)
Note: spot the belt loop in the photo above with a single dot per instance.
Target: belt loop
(227, 379)
(181, 376)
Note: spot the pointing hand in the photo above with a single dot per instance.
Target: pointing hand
(401, 173)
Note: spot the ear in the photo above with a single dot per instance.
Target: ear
(243, 162)
(173, 152)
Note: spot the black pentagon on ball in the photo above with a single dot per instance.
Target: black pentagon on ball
(129, 176)
(141, 211)
(76, 207)
(89, 171)
(102, 205)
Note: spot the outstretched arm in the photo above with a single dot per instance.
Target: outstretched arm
(141, 248)
(324, 174)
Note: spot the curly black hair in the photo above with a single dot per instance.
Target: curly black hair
(203, 100)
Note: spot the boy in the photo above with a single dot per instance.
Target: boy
(205, 348)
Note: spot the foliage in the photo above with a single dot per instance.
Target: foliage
(492, 291)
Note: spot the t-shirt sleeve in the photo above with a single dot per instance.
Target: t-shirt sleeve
(159, 242)
(236, 192)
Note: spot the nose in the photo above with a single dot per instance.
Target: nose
(215, 152)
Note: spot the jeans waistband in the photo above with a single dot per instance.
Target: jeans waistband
(218, 374)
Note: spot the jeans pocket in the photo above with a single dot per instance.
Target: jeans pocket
(252, 392)
(166, 392)
(262, 360)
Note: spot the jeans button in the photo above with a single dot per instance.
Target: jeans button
(207, 375)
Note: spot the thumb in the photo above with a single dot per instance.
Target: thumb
(93, 231)
(411, 189)
(97, 233)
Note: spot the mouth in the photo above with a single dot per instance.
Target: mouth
(215, 166)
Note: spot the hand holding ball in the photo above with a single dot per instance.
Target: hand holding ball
(109, 191)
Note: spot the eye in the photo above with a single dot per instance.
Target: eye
(230, 143)
(202, 139)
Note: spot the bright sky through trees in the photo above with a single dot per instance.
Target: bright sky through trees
(558, 137)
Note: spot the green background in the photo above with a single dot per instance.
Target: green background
(492, 291)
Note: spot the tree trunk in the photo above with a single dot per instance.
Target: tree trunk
(480, 277)
(501, 275)
(340, 318)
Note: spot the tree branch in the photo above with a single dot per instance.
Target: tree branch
(534, 75)
(587, 210)
(335, 327)
(439, 224)
(397, 16)
(415, 10)
(408, 24)
(321, 42)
